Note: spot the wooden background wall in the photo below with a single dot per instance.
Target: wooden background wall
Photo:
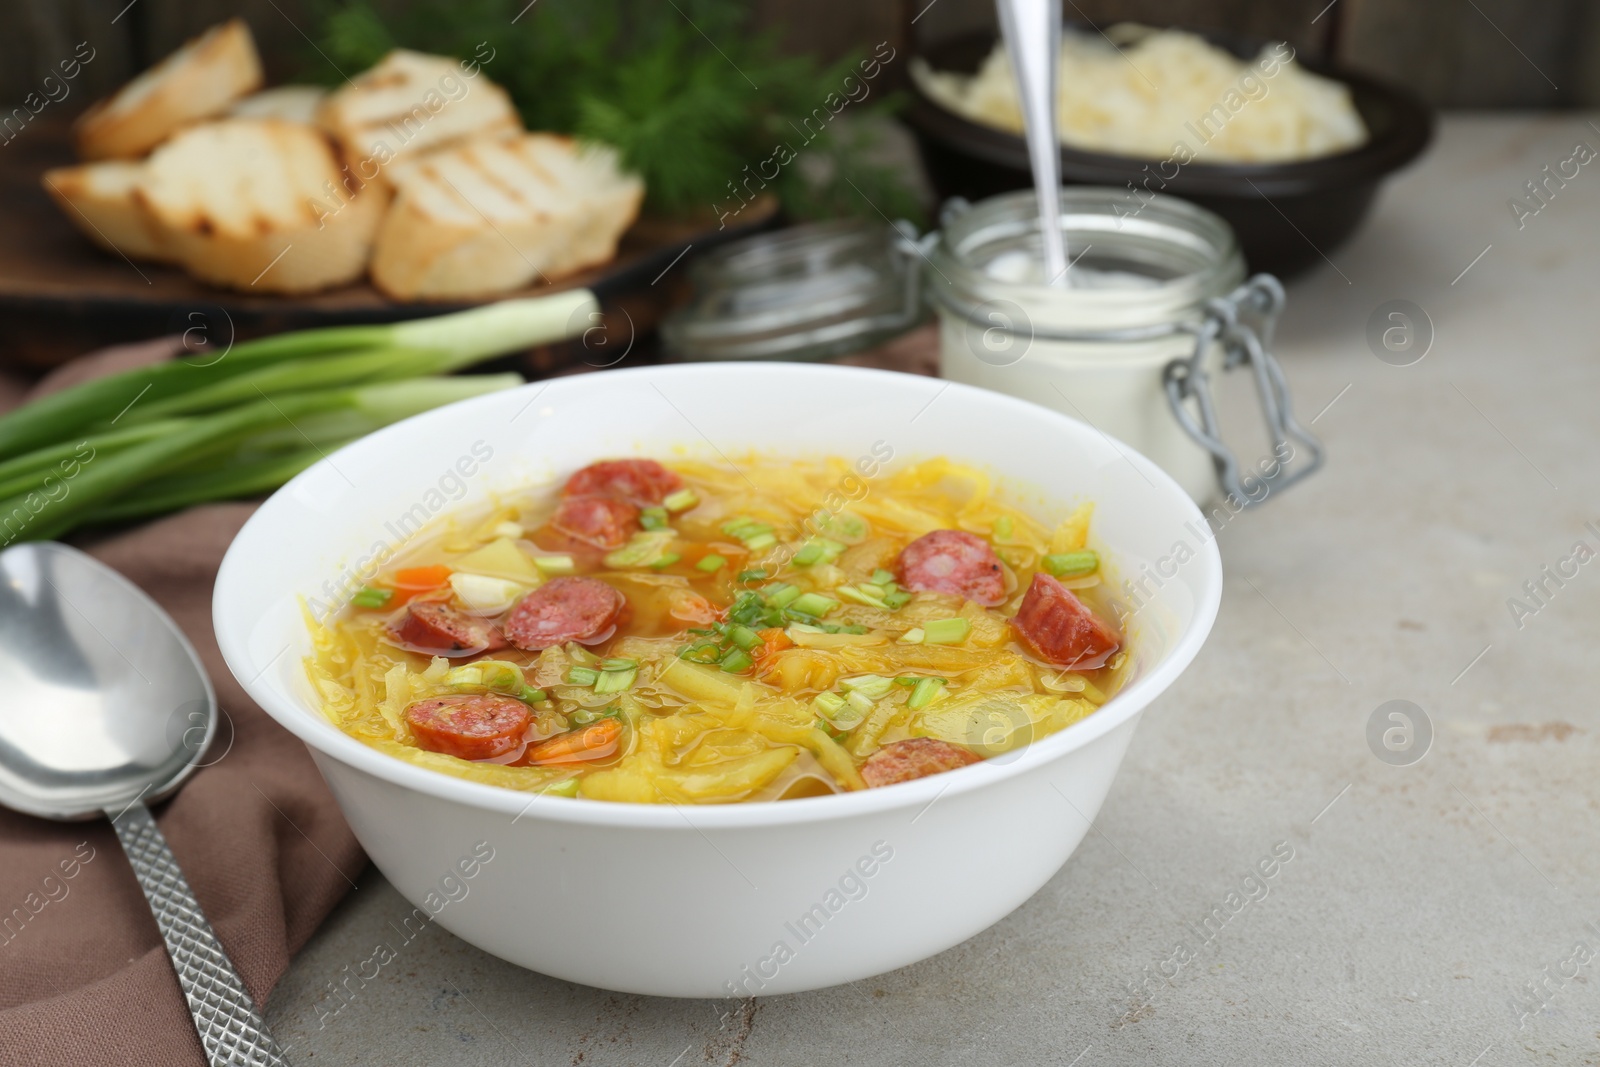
(1470, 53)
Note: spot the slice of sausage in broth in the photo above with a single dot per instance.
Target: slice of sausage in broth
(476, 726)
(436, 629)
(643, 481)
(1060, 629)
(915, 757)
(602, 521)
(585, 610)
(953, 561)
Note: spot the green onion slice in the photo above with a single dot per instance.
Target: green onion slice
(945, 631)
(372, 597)
(1071, 564)
(681, 500)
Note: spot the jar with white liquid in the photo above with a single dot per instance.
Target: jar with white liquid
(1157, 306)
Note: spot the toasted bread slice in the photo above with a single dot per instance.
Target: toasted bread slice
(98, 198)
(194, 83)
(261, 205)
(411, 102)
(495, 214)
(296, 103)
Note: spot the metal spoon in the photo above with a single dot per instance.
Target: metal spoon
(106, 709)
(1032, 32)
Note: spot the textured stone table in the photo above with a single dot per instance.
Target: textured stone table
(1436, 911)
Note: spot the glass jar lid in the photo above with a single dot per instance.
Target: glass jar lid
(808, 292)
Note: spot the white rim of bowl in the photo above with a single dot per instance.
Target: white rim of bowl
(320, 735)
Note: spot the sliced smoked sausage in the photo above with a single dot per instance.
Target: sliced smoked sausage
(437, 629)
(585, 610)
(643, 481)
(475, 726)
(602, 521)
(1060, 629)
(915, 757)
(953, 561)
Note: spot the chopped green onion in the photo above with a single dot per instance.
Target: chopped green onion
(872, 589)
(755, 575)
(856, 595)
(619, 664)
(666, 561)
(1002, 528)
(913, 636)
(896, 599)
(644, 549)
(701, 652)
(711, 564)
(653, 518)
(372, 597)
(781, 596)
(552, 566)
(681, 500)
(907, 679)
(736, 661)
(882, 577)
(616, 681)
(494, 674)
(829, 704)
(1072, 564)
(860, 702)
(945, 631)
(872, 685)
(813, 604)
(733, 526)
(843, 525)
(818, 550)
(744, 637)
(760, 541)
(582, 675)
(923, 693)
(530, 695)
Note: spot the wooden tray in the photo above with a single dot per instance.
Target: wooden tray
(61, 296)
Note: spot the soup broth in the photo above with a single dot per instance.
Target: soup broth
(695, 632)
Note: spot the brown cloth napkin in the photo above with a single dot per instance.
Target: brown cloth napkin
(84, 978)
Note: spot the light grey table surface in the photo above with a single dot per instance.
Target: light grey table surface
(1441, 912)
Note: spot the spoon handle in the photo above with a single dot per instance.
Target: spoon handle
(1032, 32)
(230, 1027)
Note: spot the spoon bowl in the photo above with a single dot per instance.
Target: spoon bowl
(108, 710)
(106, 701)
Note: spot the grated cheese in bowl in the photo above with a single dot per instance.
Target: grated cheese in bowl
(1167, 95)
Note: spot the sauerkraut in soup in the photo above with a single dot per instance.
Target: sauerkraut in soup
(692, 633)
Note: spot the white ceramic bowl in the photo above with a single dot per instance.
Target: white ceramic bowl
(739, 899)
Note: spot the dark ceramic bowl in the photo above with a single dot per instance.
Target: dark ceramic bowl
(1288, 216)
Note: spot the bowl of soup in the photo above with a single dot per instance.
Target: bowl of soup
(721, 680)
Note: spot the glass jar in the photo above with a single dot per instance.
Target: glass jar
(809, 292)
(1154, 310)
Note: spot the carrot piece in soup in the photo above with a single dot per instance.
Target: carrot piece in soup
(595, 741)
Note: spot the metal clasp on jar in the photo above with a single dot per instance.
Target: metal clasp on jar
(1242, 323)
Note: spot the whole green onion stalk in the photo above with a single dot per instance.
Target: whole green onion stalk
(169, 436)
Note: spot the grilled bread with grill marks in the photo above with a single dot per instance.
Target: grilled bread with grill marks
(495, 214)
(409, 103)
(260, 205)
(99, 199)
(199, 80)
(297, 103)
